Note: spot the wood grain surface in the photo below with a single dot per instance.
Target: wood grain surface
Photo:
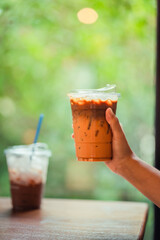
(61, 219)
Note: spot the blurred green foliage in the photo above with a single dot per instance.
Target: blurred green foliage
(44, 53)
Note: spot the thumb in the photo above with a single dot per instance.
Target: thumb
(114, 123)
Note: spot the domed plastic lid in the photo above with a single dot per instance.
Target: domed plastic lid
(108, 92)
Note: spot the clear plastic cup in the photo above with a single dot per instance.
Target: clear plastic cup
(27, 167)
(92, 133)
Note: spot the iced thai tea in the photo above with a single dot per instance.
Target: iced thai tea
(92, 133)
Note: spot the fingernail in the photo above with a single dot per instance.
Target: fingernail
(109, 114)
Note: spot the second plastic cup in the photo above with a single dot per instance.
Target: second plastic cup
(27, 167)
(92, 133)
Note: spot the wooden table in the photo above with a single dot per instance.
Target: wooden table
(61, 219)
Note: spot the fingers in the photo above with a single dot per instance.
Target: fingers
(121, 147)
(114, 123)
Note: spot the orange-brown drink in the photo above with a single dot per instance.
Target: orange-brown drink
(92, 133)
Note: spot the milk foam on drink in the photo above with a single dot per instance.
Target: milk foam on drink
(92, 133)
(27, 167)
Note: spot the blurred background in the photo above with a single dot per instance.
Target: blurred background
(45, 51)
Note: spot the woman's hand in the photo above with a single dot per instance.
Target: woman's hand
(141, 175)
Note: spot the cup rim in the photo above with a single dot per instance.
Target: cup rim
(38, 149)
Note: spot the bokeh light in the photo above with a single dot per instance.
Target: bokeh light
(28, 136)
(7, 106)
(87, 15)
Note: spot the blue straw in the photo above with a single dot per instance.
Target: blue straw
(38, 127)
(37, 133)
